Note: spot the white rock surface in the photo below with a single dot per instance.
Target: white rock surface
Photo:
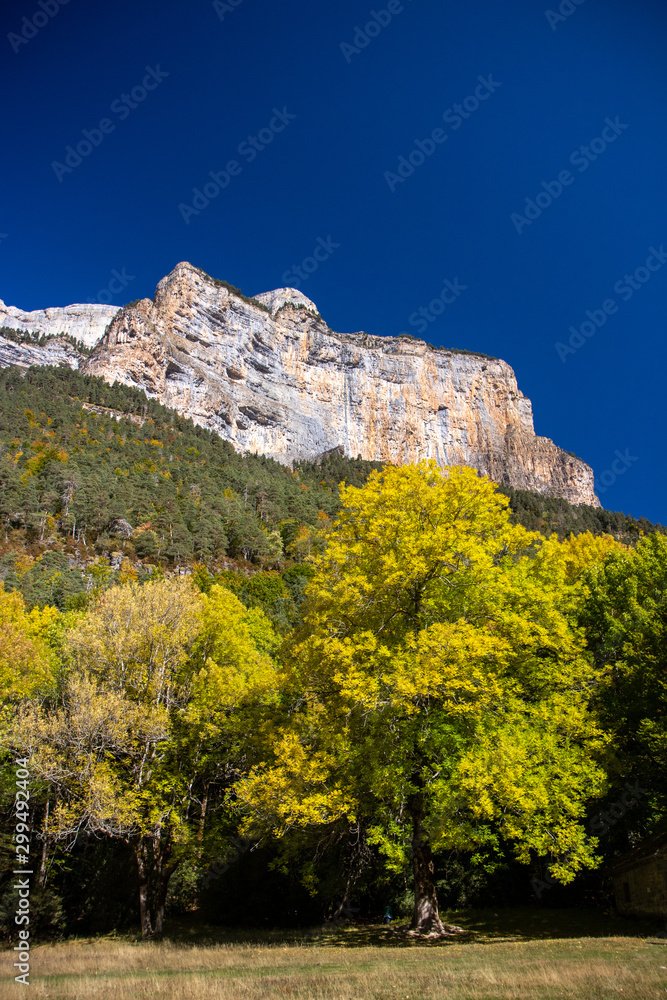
(82, 321)
(280, 297)
(56, 352)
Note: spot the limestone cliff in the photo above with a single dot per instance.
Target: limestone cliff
(82, 323)
(268, 375)
(56, 351)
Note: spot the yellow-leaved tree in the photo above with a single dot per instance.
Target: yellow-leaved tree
(160, 686)
(26, 661)
(437, 690)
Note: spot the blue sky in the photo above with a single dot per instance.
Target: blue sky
(561, 116)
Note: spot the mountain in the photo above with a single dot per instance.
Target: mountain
(63, 331)
(269, 376)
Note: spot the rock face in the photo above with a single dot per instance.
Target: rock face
(82, 323)
(56, 351)
(268, 375)
(286, 296)
(86, 323)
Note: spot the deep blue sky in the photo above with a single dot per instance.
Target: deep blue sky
(323, 176)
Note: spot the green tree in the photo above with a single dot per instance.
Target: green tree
(106, 749)
(232, 696)
(10, 492)
(145, 544)
(625, 619)
(436, 692)
(152, 711)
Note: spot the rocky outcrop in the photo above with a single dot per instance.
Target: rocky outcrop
(280, 297)
(56, 351)
(86, 323)
(268, 375)
(60, 330)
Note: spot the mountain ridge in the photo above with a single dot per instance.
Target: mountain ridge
(268, 374)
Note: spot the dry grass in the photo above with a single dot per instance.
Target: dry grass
(342, 967)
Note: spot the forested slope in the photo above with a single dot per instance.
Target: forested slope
(95, 474)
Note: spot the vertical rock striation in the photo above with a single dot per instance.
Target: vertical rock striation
(84, 322)
(268, 375)
(61, 329)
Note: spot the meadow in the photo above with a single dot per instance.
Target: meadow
(511, 955)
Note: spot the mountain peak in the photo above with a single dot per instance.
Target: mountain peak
(273, 300)
(280, 297)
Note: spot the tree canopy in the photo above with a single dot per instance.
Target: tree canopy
(149, 713)
(440, 694)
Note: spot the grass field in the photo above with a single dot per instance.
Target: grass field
(508, 956)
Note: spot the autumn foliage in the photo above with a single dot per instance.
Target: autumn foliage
(453, 684)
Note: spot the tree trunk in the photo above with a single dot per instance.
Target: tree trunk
(202, 820)
(161, 895)
(43, 865)
(159, 907)
(200, 838)
(425, 918)
(161, 854)
(152, 856)
(144, 891)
